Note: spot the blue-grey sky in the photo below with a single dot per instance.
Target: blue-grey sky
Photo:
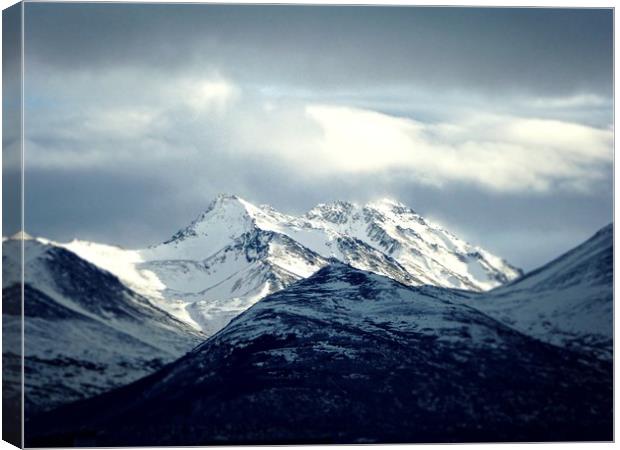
(11, 119)
(497, 123)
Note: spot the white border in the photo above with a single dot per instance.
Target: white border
(489, 3)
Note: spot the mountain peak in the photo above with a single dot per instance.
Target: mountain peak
(225, 200)
(225, 196)
(226, 209)
(335, 212)
(226, 204)
(222, 199)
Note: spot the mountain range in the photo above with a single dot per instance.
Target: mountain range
(235, 253)
(347, 356)
(356, 323)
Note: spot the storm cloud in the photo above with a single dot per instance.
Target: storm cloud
(495, 122)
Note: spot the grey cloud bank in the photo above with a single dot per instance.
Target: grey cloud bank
(545, 51)
(495, 122)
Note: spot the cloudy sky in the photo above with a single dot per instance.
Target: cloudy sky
(497, 123)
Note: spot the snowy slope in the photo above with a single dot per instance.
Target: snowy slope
(235, 277)
(85, 331)
(235, 253)
(349, 356)
(567, 302)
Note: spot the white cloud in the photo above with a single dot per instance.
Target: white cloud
(120, 122)
(209, 95)
(502, 153)
(145, 122)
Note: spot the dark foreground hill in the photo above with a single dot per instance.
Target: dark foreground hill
(348, 356)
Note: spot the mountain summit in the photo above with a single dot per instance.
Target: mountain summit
(235, 253)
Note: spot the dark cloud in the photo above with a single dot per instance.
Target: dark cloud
(543, 51)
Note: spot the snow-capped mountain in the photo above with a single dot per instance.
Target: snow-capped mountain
(235, 253)
(567, 302)
(85, 331)
(349, 356)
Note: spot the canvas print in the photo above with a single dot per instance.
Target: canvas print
(306, 224)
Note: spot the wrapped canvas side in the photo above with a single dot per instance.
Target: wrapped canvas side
(12, 227)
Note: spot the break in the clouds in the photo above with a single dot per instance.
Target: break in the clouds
(290, 105)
